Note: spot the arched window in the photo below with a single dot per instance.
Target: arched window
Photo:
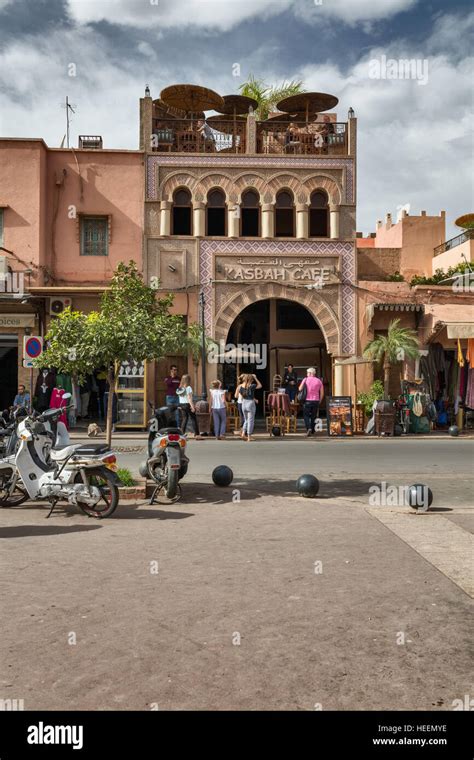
(250, 214)
(284, 215)
(216, 214)
(182, 213)
(319, 215)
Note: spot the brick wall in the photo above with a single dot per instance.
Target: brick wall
(377, 263)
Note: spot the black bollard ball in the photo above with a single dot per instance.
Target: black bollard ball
(276, 430)
(143, 469)
(397, 430)
(454, 430)
(419, 496)
(308, 486)
(222, 475)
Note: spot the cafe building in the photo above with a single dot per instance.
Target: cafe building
(251, 225)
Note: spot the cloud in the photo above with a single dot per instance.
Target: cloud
(166, 14)
(224, 15)
(413, 144)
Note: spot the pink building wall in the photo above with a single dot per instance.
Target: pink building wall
(47, 189)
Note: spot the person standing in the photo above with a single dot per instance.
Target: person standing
(85, 393)
(247, 390)
(172, 385)
(239, 398)
(218, 409)
(290, 382)
(186, 405)
(314, 396)
(22, 399)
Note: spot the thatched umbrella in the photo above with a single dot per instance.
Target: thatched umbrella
(308, 103)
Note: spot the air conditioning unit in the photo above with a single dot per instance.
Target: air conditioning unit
(57, 305)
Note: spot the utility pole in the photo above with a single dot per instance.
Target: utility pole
(203, 347)
(69, 107)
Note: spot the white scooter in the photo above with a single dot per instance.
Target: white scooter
(82, 474)
(12, 491)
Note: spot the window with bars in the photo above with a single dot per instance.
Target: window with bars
(94, 236)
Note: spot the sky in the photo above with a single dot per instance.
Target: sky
(414, 133)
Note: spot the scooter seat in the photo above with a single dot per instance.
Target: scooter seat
(62, 452)
(93, 449)
(165, 431)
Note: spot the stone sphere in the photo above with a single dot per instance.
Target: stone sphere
(307, 486)
(454, 430)
(222, 475)
(419, 496)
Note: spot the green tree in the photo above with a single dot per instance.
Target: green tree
(194, 346)
(398, 344)
(131, 323)
(267, 96)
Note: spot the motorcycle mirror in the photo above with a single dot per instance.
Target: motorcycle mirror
(67, 396)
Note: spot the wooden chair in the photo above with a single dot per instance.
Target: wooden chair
(232, 417)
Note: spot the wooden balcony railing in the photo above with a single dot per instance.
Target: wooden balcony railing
(299, 138)
(197, 136)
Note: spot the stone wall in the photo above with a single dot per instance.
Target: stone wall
(378, 263)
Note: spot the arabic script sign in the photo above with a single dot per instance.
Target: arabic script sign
(280, 269)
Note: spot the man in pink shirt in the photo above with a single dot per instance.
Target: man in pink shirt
(314, 396)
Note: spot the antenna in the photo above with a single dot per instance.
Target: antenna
(69, 107)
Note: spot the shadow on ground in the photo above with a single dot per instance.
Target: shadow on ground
(22, 531)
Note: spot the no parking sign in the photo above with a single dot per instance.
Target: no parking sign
(32, 349)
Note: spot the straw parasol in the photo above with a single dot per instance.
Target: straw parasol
(466, 222)
(308, 103)
(237, 104)
(287, 117)
(191, 98)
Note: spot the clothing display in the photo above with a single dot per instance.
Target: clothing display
(45, 383)
(57, 401)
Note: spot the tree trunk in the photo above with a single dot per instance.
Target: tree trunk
(110, 405)
(386, 377)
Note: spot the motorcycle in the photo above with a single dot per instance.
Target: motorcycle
(167, 462)
(82, 474)
(12, 491)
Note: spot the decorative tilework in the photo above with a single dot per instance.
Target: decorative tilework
(345, 250)
(346, 164)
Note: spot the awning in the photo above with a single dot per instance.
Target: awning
(371, 308)
(354, 360)
(460, 329)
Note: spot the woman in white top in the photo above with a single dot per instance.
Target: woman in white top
(218, 409)
(186, 405)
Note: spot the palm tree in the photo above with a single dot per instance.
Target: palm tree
(398, 344)
(267, 96)
(194, 346)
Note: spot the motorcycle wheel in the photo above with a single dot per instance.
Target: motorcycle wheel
(18, 496)
(105, 482)
(171, 484)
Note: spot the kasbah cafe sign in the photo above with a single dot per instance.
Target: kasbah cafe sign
(277, 270)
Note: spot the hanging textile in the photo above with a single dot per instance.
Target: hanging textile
(470, 389)
(57, 401)
(470, 351)
(460, 356)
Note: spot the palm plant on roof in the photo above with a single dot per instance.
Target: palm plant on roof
(267, 96)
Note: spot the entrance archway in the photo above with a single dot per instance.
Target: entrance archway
(311, 300)
(279, 332)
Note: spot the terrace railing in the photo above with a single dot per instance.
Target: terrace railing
(299, 138)
(455, 241)
(186, 136)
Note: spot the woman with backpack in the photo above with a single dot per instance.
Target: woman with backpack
(247, 391)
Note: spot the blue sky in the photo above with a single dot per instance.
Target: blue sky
(414, 138)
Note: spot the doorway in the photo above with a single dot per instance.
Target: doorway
(9, 369)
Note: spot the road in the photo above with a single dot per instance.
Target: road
(250, 597)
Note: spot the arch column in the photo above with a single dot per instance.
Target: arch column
(334, 221)
(165, 218)
(199, 219)
(233, 220)
(302, 221)
(268, 220)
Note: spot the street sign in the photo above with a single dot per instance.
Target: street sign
(32, 349)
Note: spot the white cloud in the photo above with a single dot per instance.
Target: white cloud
(163, 14)
(225, 14)
(413, 140)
